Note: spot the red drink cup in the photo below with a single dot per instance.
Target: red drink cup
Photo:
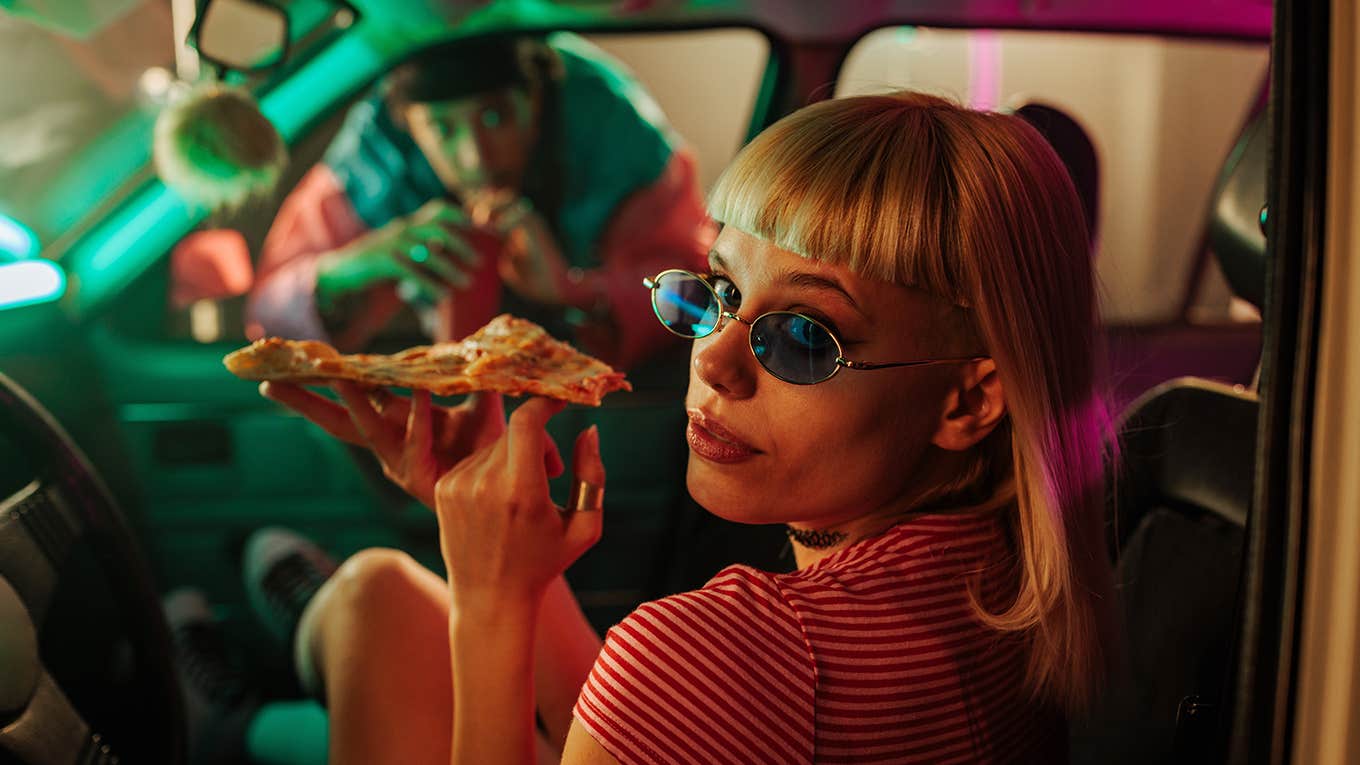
(466, 310)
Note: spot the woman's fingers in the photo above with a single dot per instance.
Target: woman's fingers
(586, 464)
(418, 429)
(376, 431)
(587, 522)
(525, 441)
(488, 417)
(552, 458)
(418, 458)
(463, 429)
(330, 416)
(393, 408)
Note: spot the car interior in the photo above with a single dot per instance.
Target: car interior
(131, 463)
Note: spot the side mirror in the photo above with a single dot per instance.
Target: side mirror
(245, 35)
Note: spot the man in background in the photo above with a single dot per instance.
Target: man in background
(525, 174)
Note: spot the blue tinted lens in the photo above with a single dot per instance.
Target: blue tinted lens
(794, 348)
(685, 304)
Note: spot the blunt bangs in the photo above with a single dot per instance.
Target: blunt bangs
(862, 183)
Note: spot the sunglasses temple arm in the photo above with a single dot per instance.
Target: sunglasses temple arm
(847, 363)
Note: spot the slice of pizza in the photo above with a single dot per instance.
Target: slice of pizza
(508, 355)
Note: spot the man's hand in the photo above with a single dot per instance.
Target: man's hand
(531, 263)
(424, 253)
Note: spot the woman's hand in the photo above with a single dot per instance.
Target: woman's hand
(415, 441)
(502, 537)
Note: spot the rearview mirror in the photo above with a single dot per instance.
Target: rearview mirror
(245, 35)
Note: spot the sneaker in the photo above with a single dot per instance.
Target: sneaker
(283, 570)
(219, 701)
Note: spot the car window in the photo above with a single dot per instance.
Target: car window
(1161, 113)
(706, 81)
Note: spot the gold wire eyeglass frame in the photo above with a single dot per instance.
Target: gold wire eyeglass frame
(723, 314)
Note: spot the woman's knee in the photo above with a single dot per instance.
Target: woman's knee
(377, 579)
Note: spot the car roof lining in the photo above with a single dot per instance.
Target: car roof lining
(814, 20)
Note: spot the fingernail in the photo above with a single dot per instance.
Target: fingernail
(595, 439)
(264, 389)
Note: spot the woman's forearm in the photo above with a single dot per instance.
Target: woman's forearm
(506, 545)
(491, 642)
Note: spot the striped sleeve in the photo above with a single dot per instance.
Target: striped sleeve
(718, 675)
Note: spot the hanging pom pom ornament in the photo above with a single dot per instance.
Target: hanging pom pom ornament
(216, 149)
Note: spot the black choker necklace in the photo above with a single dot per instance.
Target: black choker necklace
(815, 539)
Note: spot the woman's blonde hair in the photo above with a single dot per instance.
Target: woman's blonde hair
(977, 209)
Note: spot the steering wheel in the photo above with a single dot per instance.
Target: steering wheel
(86, 671)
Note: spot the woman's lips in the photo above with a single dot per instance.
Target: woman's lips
(713, 442)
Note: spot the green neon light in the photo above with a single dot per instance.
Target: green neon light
(17, 241)
(129, 240)
(30, 281)
(515, 14)
(330, 77)
(150, 226)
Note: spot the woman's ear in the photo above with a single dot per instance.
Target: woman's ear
(973, 407)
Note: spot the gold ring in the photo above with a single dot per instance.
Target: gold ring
(585, 497)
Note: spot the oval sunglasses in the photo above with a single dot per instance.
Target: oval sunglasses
(791, 346)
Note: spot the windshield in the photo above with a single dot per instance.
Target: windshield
(81, 85)
(76, 112)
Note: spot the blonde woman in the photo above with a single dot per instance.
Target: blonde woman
(893, 356)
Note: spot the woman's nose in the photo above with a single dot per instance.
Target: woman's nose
(723, 361)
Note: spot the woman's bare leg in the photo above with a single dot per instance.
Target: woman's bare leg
(375, 639)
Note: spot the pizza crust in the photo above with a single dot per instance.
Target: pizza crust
(509, 355)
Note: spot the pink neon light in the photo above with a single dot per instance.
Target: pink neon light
(984, 70)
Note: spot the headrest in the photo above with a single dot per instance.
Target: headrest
(1188, 444)
(1077, 152)
(1235, 234)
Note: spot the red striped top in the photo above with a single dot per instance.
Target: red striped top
(873, 654)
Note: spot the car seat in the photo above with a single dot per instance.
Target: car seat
(1177, 515)
(1177, 521)
(1077, 152)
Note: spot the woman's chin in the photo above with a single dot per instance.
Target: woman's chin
(723, 495)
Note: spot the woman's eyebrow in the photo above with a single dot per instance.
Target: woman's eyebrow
(797, 279)
(822, 283)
